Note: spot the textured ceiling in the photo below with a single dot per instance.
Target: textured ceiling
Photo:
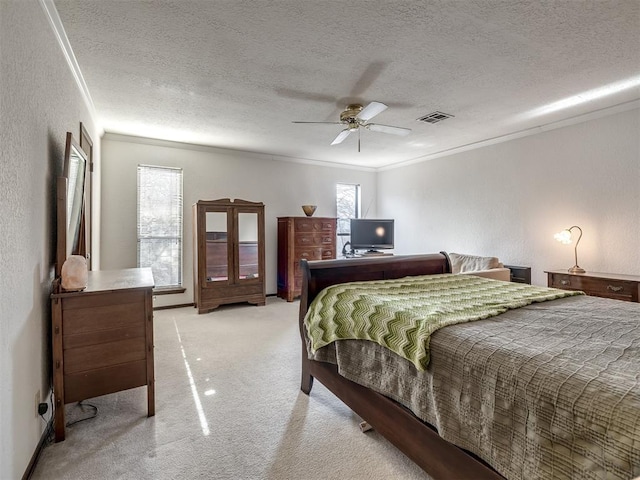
(235, 73)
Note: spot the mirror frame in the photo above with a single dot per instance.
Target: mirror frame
(69, 216)
(86, 144)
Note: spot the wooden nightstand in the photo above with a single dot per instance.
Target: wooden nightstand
(608, 285)
(520, 274)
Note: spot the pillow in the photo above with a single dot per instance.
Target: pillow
(472, 263)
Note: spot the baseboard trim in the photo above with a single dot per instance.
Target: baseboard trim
(166, 307)
(41, 444)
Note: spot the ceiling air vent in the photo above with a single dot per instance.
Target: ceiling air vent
(435, 117)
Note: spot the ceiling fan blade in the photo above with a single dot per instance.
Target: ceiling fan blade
(341, 136)
(376, 127)
(327, 123)
(371, 110)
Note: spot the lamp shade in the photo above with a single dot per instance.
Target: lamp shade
(563, 237)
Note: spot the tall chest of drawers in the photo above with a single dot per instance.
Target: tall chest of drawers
(311, 238)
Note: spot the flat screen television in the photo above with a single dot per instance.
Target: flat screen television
(371, 235)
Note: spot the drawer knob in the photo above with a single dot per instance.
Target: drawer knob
(565, 282)
(614, 288)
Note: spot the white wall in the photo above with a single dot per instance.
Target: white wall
(508, 199)
(209, 174)
(40, 102)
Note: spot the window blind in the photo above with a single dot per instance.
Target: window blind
(160, 223)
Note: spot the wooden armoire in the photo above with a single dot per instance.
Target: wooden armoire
(228, 250)
(312, 238)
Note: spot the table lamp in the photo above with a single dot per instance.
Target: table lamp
(565, 237)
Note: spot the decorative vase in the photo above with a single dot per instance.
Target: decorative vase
(308, 210)
(74, 273)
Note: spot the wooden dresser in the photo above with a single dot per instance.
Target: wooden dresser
(608, 285)
(312, 238)
(103, 339)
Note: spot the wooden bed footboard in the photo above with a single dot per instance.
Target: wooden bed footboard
(416, 439)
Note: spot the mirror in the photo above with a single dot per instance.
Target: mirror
(70, 202)
(86, 144)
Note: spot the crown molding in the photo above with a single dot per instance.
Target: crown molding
(245, 154)
(58, 29)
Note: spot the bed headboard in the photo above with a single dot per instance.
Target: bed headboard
(319, 274)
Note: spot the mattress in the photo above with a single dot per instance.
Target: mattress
(546, 391)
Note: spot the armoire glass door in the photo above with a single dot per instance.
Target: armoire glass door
(248, 266)
(217, 249)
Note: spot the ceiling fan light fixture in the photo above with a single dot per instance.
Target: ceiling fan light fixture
(353, 124)
(355, 116)
(351, 112)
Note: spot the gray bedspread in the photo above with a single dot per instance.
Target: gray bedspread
(546, 391)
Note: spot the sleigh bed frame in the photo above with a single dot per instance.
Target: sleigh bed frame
(416, 439)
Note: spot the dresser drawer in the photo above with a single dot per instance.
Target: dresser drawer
(112, 311)
(313, 239)
(312, 253)
(93, 383)
(566, 282)
(103, 336)
(102, 355)
(618, 289)
(328, 253)
(314, 225)
(596, 286)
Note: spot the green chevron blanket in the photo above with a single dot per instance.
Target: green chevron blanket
(402, 314)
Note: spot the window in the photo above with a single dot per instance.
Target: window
(160, 223)
(348, 203)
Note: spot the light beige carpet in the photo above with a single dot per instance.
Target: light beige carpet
(228, 406)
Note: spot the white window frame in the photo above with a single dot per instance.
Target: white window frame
(343, 229)
(171, 231)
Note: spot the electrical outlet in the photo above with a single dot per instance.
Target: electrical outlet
(37, 403)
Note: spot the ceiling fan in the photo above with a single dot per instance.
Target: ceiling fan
(355, 117)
